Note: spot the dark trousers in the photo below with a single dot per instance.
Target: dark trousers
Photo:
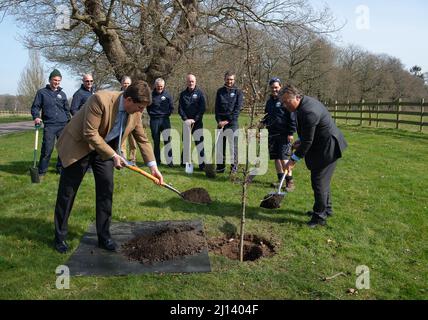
(69, 183)
(50, 132)
(157, 125)
(321, 179)
(198, 143)
(221, 161)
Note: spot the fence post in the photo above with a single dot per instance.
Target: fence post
(398, 113)
(370, 115)
(422, 114)
(361, 113)
(335, 111)
(377, 113)
(347, 113)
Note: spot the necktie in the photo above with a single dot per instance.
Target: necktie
(122, 118)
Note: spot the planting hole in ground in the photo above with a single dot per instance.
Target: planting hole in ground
(255, 247)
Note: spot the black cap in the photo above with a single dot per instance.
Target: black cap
(273, 80)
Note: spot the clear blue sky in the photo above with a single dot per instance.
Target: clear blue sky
(396, 27)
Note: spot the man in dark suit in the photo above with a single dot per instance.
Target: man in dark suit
(92, 137)
(320, 142)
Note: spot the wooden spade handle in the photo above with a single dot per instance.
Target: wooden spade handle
(144, 173)
(154, 179)
(36, 140)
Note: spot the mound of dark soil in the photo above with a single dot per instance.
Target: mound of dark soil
(167, 243)
(197, 195)
(272, 201)
(255, 247)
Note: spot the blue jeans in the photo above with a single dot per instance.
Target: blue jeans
(50, 132)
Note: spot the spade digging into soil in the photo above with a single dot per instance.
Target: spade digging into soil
(194, 195)
(273, 199)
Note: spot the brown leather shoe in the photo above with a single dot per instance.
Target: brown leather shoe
(290, 186)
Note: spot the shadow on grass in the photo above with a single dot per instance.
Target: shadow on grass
(22, 168)
(17, 167)
(224, 209)
(228, 228)
(33, 229)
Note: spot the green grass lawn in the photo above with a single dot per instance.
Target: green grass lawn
(379, 124)
(380, 200)
(15, 118)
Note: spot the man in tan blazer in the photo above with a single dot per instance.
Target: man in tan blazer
(92, 138)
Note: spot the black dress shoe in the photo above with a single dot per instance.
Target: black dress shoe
(61, 246)
(310, 213)
(316, 221)
(108, 244)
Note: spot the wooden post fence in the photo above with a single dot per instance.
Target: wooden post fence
(377, 113)
(347, 111)
(397, 123)
(396, 113)
(335, 110)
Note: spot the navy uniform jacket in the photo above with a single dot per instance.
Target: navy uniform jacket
(228, 104)
(79, 98)
(279, 120)
(53, 106)
(162, 105)
(191, 104)
(322, 142)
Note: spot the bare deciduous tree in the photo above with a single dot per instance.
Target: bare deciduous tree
(32, 79)
(144, 39)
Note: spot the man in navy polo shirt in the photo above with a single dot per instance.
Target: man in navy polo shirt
(281, 125)
(228, 105)
(159, 111)
(191, 108)
(52, 103)
(80, 96)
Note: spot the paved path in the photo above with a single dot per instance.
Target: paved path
(6, 128)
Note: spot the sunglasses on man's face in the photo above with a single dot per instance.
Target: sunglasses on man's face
(89, 81)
